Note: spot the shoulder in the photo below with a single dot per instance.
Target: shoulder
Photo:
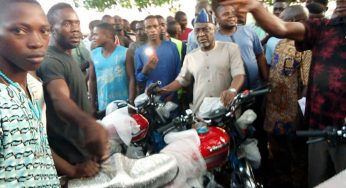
(229, 45)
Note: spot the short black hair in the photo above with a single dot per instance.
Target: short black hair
(52, 11)
(108, 27)
(315, 8)
(94, 23)
(5, 3)
(179, 15)
(133, 25)
(159, 17)
(105, 17)
(171, 29)
(150, 17)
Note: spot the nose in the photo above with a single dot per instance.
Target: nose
(75, 27)
(36, 40)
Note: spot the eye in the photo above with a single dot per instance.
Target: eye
(19, 31)
(45, 31)
(67, 24)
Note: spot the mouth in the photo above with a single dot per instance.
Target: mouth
(35, 59)
(75, 39)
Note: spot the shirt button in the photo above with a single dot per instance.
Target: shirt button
(208, 67)
(208, 80)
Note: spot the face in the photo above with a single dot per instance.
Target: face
(109, 20)
(100, 37)
(183, 21)
(118, 23)
(140, 31)
(278, 7)
(24, 36)
(152, 29)
(66, 30)
(178, 29)
(226, 17)
(205, 34)
(163, 26)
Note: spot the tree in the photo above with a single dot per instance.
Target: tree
(101, 5)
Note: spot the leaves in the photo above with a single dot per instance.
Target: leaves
(101, 5)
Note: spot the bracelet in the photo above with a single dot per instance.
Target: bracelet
(232, 90)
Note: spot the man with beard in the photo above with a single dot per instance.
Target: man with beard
(157, 60)
(326, 95)
(25, 156)
(70, 125)
(216, 67)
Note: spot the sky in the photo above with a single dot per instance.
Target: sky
(86, 16)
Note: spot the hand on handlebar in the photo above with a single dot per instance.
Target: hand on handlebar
(227, 97)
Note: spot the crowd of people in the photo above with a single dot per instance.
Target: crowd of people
(55, 84)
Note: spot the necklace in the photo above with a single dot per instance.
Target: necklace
(37, 132)
(35, 109)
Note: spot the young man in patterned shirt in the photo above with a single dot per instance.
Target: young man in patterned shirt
(25, 156)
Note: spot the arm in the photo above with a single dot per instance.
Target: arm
(263, 66)
(66, 108)
(86, 169)
(269, 22)
(227, 96)
(173, 86)
(130, 70)
(92, 86)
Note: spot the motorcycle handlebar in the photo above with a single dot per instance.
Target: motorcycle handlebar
(312, 133)
(152, 87)
(254, 93)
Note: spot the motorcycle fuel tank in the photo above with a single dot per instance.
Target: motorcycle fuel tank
(143, 129)
(215, 146)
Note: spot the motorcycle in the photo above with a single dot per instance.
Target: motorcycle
(153, 119)
(226, 143)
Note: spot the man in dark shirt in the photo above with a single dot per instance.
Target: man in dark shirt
(77, 141)
(326, 96)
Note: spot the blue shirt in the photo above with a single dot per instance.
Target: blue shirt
(111, 77)
(270, 49)
(167, 68)
(250, 46)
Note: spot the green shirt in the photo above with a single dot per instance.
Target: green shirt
(66, 139)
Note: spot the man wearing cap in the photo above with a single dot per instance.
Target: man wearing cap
(216, 67)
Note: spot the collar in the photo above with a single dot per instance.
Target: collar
(338, 21)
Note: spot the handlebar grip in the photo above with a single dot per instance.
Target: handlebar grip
(311, 133)
(166, 128)
(151, 88)
(259, 92)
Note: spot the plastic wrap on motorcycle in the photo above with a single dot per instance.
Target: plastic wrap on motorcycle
(119, 171)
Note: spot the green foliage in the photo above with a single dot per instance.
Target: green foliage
(101, 5)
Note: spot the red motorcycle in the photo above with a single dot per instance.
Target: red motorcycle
(226, 143)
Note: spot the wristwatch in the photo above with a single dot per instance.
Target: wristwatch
(232, 90)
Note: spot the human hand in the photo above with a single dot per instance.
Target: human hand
(227, 97)
(151, 63)
(88, 168)
(96, 140)
(241, 6)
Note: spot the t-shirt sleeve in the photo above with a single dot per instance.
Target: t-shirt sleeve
(236, 62)
(185, 76)
(312, 29)
(257, 46)
(51, 69)
(140, 77)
